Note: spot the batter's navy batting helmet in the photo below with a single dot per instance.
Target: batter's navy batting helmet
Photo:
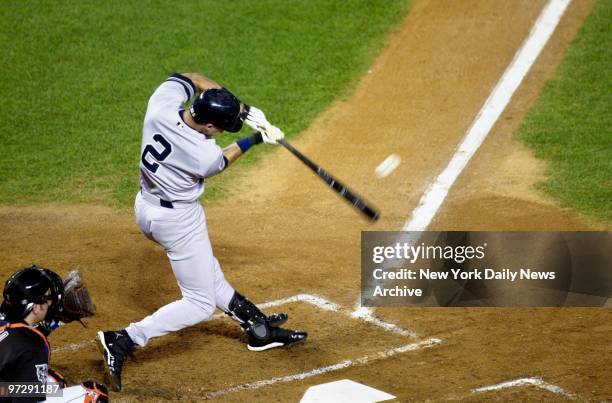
(219, 107)
(32, 285)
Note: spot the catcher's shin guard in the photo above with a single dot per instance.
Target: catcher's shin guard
(95, 392)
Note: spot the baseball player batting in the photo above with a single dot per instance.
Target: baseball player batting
(178, 153)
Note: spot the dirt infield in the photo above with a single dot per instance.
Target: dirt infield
(281, 233)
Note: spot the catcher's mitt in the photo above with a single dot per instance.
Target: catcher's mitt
(77, 301)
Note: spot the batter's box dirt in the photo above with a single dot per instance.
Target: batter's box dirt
(211, 360)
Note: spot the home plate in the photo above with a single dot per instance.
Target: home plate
(344, 391)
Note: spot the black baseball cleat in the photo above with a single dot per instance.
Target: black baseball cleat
(115, 347)
(277, 319)
(278, 337)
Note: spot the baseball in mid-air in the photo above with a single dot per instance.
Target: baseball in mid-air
(387, 166)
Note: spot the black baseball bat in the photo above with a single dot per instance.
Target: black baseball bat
(334, 183)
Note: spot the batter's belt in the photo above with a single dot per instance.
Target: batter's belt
(165, 203)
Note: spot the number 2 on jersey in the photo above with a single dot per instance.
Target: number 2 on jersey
(159, 156)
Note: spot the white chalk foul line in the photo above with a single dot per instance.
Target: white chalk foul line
(428, 343)
(535, 381)
(434, 196)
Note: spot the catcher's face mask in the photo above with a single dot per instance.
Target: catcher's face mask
(55, 296)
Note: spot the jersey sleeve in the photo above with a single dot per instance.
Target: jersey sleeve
(174, 92)
(212, 160)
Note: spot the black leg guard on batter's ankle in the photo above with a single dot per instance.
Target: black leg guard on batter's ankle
(264, 331)
(249, 316)
(242, 310)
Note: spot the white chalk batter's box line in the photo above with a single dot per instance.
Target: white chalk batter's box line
(367, 359)
(534, 381)
(361, 313)
(366, 315)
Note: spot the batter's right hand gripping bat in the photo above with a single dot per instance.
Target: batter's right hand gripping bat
(332, 182)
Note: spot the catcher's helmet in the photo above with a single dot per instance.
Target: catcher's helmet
(219, 107)
(32, 285)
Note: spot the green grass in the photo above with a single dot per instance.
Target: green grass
(571, 124)
(76, 78)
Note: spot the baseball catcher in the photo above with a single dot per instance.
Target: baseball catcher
(178, 152)
(33, 306)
